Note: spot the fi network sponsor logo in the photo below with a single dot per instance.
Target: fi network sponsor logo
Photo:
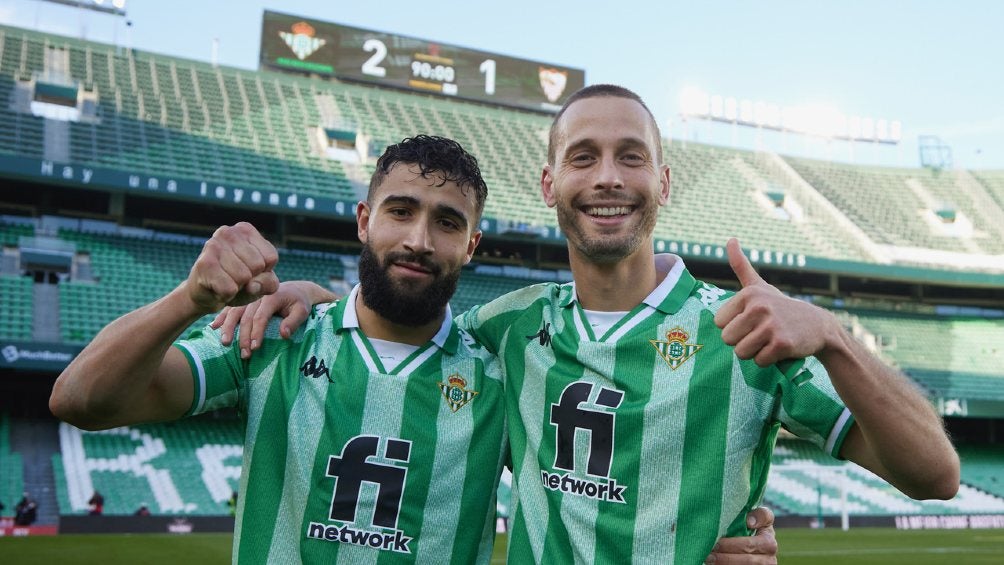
(586, 410)
(361, 461)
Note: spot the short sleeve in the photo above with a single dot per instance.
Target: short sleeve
(811, 407)
(217, 370)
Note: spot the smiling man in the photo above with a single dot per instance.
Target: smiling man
(376, 432)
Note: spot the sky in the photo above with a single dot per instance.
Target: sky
(936, 67)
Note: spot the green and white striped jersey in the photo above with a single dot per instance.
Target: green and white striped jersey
(648, 443)
(346, 461)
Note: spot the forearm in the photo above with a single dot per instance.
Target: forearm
(120, 376)
(902, 438)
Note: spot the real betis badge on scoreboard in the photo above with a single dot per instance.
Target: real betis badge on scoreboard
(294, 43)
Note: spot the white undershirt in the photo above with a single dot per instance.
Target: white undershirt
(601, 322)
(391, 353)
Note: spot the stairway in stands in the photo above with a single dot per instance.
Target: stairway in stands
(37, 441)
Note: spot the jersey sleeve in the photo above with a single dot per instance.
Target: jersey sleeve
(218, 370)
(811, 407)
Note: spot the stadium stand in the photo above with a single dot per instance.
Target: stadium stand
(950, 356)
(189, 467)
(260, 129)
(912, 207)
(981, 467)
(806, 481)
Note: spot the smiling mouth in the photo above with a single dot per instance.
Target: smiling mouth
(607, 211)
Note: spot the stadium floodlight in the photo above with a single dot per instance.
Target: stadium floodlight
(717, 107)
(694, 102)
(818, 120)
(895, 131)
(882, 129)
(746, 111)
(854, 127)
(731, 109)
(867, 129)
(116, 9)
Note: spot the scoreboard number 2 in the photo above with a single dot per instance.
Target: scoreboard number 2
(372, 65)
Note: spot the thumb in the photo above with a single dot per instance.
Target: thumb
(741, 265)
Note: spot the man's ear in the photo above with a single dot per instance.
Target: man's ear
(664, 180)
(472, 245)
(363, 220)
(547, 186)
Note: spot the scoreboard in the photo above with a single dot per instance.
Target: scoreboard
(299, 44)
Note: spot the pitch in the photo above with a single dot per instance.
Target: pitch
(861, 546)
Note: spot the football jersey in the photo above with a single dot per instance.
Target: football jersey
(649, 442)
(346, 461)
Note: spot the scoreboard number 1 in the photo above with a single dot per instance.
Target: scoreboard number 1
(488, 69)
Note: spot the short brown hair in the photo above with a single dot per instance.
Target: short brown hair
(597, 91)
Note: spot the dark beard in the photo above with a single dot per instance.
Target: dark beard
(398, 302)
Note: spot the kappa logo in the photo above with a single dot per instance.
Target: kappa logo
(544, 335)
(315, 369)
(675, 350)
(302, 42)
(456, 393)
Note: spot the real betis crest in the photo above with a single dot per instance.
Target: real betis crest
(675, 350)
(302, 41)
(456, 393)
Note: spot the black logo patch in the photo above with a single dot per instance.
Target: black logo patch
(315, 369)
(543, 336)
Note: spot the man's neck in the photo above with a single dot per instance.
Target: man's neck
(375, 326)
(617, 286)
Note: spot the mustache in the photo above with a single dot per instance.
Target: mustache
(408, 257)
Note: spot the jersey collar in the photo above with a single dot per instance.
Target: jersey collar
(345, 317)
(668, 297)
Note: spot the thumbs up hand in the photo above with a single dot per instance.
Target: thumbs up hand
(763, 324)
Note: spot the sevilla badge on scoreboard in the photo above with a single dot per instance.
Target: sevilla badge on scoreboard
(553, 82)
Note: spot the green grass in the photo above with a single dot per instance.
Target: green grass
(860, 546)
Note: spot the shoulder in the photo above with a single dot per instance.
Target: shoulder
(540, 294)
(708, 296)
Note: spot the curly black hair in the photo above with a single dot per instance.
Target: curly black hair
(434, 154)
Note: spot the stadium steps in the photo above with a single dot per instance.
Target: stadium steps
(11, 469)
(45, 320)
(37, 440)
